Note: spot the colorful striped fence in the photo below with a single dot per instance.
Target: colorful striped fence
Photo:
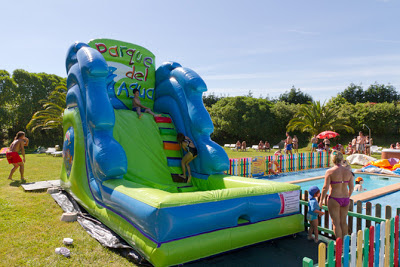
(375, 245)
(286, 163)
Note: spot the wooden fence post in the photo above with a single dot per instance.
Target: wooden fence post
(396, 241)
(350, 218)
(339, 248)
(305, 209)
(391, 241)
(359, 248)
(366, 247)
(307, 262)
(382, 246)
(326, 218)
(331, 251)
(378, 211)
(371, 247)
(353, 250)
(359, 210)
(388, 212)
(346, 252)
(321, 255)
(377, 244)
(368, 211)
(387, 245)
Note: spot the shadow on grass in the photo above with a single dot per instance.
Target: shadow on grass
(17, 183)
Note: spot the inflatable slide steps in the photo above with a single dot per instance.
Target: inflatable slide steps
(171, 147)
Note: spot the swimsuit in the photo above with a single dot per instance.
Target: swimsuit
(192, 150)
(13, 157)
(289, 147)
(314, 145)
(312, 206)
(343, 201)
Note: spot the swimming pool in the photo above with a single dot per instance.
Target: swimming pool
(292, 176)
(370, 182)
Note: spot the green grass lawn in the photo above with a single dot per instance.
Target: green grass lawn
(30, 226)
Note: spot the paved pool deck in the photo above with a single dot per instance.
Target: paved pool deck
(283, 252)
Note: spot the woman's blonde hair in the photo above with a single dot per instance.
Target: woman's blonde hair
(337, 158)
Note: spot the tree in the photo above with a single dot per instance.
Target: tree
(20, 97)
(353, 94)
(380, 93)
(315, 118)
(376, 93)
(295, 96)
(210, 99)
(51, 116)
(241, 118)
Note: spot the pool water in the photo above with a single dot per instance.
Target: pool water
(370, 182)
(292, 176)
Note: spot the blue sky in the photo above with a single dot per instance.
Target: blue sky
(319, 46)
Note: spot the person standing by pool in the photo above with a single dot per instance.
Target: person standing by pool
(295, 144)
(313, 213)
(314, 143)
(361, 143)
(339, 181)
(289, 144)
(13, 157)
(238, 145)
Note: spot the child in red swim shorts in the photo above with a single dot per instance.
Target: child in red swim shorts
(13, 157)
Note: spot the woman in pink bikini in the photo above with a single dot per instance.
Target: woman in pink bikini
(12, 154)
(339, 181)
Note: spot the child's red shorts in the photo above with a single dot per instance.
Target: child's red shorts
(13, 157)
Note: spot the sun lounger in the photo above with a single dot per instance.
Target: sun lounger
(255, 147)
(376, 150)
(50, 150)
(227, 145)
(57, 154)
(275, 147)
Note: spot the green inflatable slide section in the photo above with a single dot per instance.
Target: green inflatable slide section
(141, 140)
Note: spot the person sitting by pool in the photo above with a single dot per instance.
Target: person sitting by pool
(327, 144)
(267, 146)
(238, 145)
(392, 146)
(349, 149)
(339, 182)
(359, 182)
(273, 167)
(261, 146)
(397, 145)
(187, 144)
(320, 146)
(313, 213)
(278, 152)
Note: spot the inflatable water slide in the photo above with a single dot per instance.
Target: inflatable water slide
(124, 170)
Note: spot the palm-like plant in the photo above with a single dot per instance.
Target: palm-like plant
(51, 116)
(315, 118)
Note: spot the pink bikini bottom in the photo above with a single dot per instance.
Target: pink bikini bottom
(343, 201)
